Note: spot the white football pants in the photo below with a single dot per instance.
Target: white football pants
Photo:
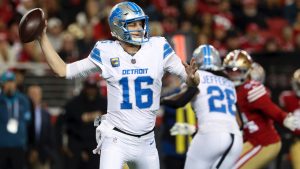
(214, 151)
(118, 148)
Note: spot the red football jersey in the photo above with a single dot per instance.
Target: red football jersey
(258, 113)
(289, 101)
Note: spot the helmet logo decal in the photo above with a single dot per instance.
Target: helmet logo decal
(114, 15)
(206, 53)
(207, 58)
(134, 8)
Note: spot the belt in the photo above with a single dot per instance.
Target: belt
(134, 135)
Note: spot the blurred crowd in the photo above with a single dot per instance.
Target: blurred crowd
(257, 26)
(75, 25)
(32, 138)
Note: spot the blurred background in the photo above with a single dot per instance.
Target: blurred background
(268, 29)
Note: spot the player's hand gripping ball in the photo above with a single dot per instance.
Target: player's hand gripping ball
(32, 25)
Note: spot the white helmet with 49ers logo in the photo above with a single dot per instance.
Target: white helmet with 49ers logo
(237, 65)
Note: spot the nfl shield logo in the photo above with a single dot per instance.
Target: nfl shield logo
(115, 62)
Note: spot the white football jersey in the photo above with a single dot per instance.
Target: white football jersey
(134, 82)
(215, 105)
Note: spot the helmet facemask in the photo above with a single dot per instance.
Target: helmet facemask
(237, 75)
(144, 32)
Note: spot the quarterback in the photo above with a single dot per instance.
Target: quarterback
(133, 66)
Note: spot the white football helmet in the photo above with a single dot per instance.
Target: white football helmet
(296, 82)
(237, 65)
(207, 58)
(121, 15)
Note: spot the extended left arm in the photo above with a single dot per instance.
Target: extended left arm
(180, 99)
(288, 120)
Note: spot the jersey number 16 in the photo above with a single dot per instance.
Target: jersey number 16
(139, 92)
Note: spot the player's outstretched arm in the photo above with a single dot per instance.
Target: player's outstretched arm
(180, 99)
(53, 59)
(266, 105)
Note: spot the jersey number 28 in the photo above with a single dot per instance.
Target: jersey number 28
(221, 101)
(139, 92)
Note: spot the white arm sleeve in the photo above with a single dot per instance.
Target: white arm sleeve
(173, 65)
(81, 69)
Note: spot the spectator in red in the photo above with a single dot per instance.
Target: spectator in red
(6, 13)
(30, 53)
(208, 6)
(252, 41)
(296, 24)
(170, 23)
(224, 13)
(287, 43)
(272, 46)
(100, 27)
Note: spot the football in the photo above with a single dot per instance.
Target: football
(31, 25)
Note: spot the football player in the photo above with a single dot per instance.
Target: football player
(261, 141)
(290, 101)
(133, 66)
(218, 141)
